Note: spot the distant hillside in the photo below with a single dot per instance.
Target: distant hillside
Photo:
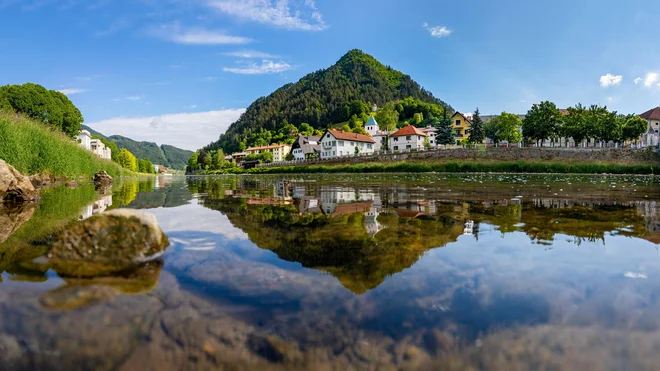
(321, 97)
(166, 155)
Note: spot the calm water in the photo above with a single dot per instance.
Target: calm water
(348, 272)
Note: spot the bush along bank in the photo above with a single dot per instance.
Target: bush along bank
(469, 167)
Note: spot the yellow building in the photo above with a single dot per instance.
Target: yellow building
(461, 124)
(279, 151)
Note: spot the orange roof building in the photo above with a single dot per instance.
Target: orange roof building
(337, 143)
(408, 138)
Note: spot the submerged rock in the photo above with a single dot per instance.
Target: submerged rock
(40, 180)
(15, 186)
(102, 179)
(12, 217)
(107, 243)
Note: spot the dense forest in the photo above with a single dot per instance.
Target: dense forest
(166, 155)
(323, 98)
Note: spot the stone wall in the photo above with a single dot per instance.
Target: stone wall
(619, 155)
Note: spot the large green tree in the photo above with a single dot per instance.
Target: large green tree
(575, 124)
(633, 127)
(476, 130)
(492, 130)
(445, 134)
(387, 117)
(542, 122)
(127, 160)
(510, 127)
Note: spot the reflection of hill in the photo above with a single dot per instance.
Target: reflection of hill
(146, 194)
(338, 244)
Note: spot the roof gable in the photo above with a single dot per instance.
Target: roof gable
(408, 130)
(462, 115)
(342, 135)
(652, 114)
(371, 121)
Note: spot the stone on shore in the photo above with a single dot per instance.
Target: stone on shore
(102, 179)
(14, 186)
(13, 217)
(107, 243)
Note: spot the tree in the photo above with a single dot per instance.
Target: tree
(510, 125)
(5, 106)
(542, 122)
(357, 150)
(427, 143)
(575, 124)
(218, 161)
(606, 124)
(346, 128)
(127, 160)
(72, 119)
(192, 163)
(306, 129)
(145, 166)
(263, 157)
(633, 127)
(417, 119)
(387, 117)
(445, 134)
(476, 129)
(492, 130)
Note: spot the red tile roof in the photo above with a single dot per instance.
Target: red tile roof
(408, 130)
(653, 114)
(342, 135)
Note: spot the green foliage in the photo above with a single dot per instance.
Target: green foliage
(32, 148)
(145, 166)
(476, 130)
(510, 127)
(417, 119)
(306, 129)
(323, 98)
(127, 160)
(633, 127)
(445, 134)
(114, 150)
(427, 143)
(177, 158)
(46, 106)
(542, 121)
(5, 106)
(193, 165)
(387, 117)
(263, 157)
(492, 130)
(415, 110)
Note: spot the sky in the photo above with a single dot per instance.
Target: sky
(180, 72)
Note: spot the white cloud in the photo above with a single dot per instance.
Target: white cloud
(651, 78)
(135, 98)
(275, 13)
(610, 79)
(637, 80)
(250, 54)
(635, 275)
(195, 36)
(266, 67)
(184, 130)
(437, 31)
(72, 91)
(610, 99)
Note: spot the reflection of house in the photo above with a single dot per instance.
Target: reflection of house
(349, 208)
(652, 135)
(279, 151)
(97, 207)
(371, 223)
(309, 205)
(94, 145)
(337, 143)
(407, 138)
(306, 147)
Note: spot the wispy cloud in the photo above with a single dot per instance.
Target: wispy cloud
(437, 31)
(266, 67)
(638, 80)
(251, 54)
(651, 79)
(275, 13)
(135, 98)
(184, 130)
(195, 36)
(114, 27)
(72, 91)
(609, 80)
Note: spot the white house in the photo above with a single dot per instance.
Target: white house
(652, 135)
(431, 132)
(85, 139)
(407, 138)
(337, 143)
(379, 136)
(306, 147)
(94, 145)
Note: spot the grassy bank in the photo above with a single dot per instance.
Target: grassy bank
(473, 166)
(33, 148)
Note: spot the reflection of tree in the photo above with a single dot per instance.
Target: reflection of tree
(127, 193)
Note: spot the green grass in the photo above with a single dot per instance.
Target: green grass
(33, 148)
(469, 167)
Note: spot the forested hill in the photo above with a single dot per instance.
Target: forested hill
(322, 98)
(166, 155)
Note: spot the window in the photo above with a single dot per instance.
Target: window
(334, 143)
(458, 122)
(369, 146)
(341, 143)
(333, 153)
(408, 146)
(396, 139)
(408, 137)
(396, 148)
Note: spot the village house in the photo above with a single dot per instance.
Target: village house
(379, 136)
(407, 138)
(431, 133)
(94, 145)
(652, 135)
(306, 147)
(279, 151)
(461, 125)
(337, 143)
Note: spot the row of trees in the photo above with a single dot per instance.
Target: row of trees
(128, 161)
(50, 107)
(545, 121)
(211, 160)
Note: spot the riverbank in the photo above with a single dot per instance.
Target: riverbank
(33, 148)
(471, 166)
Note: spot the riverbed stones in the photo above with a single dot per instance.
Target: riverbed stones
(107, 243)
(102, 179)
(14, 186)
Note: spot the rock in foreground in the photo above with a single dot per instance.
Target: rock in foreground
(14, 186)
(102, 179)
(107, 243)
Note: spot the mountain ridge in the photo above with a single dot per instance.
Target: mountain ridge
(320, 98)
(166, 155)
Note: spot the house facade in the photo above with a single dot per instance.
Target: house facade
(94, 145)
(279, 151)
(379, 136)
(407, 138)
(306, 147)
(461, 124)
(431, 133)
(337, 143)
(652, 135)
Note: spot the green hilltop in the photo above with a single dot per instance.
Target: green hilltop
(323, 98)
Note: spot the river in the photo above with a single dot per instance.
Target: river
(351, 272)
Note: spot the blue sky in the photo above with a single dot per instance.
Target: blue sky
(180, 71)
